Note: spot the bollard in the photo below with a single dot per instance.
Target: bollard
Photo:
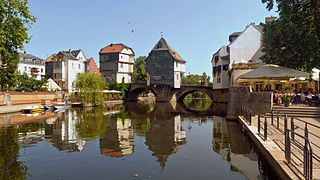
(292, 128)
(259, 124)
(265, 128)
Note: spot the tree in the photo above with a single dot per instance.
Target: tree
(139, 73)
(293, 39)
(89, 88)
(26, 83)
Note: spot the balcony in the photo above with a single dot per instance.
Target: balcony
(34, 71)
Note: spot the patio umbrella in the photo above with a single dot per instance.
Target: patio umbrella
(52, 86)
(273, 72)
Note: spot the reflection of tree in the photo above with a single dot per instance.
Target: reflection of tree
(10, 167)
(92, 123)
(197, 104)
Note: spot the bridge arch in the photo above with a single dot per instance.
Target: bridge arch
(135, 92)
(180, 96)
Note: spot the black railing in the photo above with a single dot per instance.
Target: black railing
(307, 153)
(291, 133)
(265, 127)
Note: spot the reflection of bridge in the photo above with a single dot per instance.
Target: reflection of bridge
(164, 109)
(164, 93)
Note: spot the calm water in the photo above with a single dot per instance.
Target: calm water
(156, 141)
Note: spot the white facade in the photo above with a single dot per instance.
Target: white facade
(179, 70)
(34, 67)
(245, 46)
(125, 65)
(66, 66)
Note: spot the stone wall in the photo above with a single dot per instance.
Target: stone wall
(259, 102)
(26, 97)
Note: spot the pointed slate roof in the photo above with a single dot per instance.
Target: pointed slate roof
(162, 45)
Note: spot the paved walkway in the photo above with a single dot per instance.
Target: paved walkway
(275, 143)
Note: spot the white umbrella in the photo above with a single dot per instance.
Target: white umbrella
(52, 86)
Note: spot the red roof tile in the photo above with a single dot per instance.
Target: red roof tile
(114, 48)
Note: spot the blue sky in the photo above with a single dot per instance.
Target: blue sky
(195, 29)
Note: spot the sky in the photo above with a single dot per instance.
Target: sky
(194, 28)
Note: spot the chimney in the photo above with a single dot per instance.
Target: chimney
(24, 52)
(69, 50)
(269, 19)
(111, 44)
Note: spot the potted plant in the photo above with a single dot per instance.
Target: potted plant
(286, 96)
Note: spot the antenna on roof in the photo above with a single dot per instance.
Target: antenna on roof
(161, 34)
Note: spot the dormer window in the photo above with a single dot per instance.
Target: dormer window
(159, 45)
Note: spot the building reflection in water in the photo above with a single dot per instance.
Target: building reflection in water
(233, 147)
(164, 136)
(118, 139)
(62, 132)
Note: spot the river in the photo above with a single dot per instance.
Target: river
(133, 141)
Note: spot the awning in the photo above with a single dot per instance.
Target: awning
(273, 72)
(111, 91)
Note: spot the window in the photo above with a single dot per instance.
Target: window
(92, 66)
(218, 80)
(25, 68)
(55, 75)
(121, 65)
(177, 64)
(79, 66)
(41, 70)
(177, 76)
(72, 65)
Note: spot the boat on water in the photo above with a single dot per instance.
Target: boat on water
(32, 109)
(62, 106)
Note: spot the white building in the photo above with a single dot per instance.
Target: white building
(116, 63)
(65, 67)
(220, 66)
(31, 65)
(240, 56)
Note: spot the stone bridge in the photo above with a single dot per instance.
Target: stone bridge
(164, 93)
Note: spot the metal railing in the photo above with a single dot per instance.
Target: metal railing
(265, 127)
(246, 114)
(307, 152)
(306, 145)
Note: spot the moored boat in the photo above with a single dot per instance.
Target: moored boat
(62, 106)
(32, 109)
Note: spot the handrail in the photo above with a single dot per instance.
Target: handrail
(308, 153)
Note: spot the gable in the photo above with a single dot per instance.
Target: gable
(247, 33)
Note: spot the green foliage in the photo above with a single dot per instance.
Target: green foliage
(139, 73)
(89, 88)
(196, 80)
(123, 87)
(15, 21)
(28, 84)
(197, 104)
(293, 40)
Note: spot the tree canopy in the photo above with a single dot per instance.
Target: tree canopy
(139, 72)
(15, 21)
(293, 39)
(89, 88)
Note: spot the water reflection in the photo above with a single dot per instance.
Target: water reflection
(10, 166)
(164, 136)
(118, 139)
(154, 132)
(62, 132)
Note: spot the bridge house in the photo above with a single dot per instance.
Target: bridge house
(116, 63)
(164, 65)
